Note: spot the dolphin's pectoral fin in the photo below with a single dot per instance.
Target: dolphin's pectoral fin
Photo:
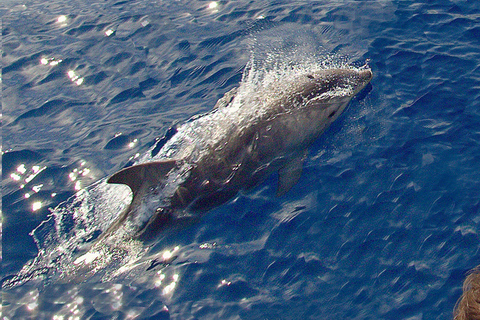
(290, 173)
(150, 173)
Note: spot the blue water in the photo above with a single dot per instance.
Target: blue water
(383, 222)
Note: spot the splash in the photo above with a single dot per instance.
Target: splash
(69, 232)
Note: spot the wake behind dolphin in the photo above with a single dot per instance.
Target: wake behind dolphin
(264, 126)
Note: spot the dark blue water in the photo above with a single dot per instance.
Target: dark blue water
(382, 224)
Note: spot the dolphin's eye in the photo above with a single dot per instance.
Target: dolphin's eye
(332, 114)
(309, 76)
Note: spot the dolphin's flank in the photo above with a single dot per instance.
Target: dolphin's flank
(234, 147)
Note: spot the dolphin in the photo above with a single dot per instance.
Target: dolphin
(233, 148)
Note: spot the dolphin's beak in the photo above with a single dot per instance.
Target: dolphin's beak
(366, 75)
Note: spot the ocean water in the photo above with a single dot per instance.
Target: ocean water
(383, 223)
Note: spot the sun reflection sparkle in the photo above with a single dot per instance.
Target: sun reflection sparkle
(62, 19)
(207, 245)
(37, 205)
(132, 144)
(75, 173)
(163, 281)
(161, 277)
(34, 304)
(135, 156)
(213, 6)
(50, 61)
(167, 254)
(169, 288)
(74, 77)
(224, 283)
(30, 177)
(21, 169)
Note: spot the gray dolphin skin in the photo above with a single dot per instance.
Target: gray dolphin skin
(233, 148)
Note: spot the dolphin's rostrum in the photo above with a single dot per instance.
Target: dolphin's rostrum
(235, 147)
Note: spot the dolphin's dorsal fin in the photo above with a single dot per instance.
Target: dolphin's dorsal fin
(149, 173)
(289, 174)
(226, 99)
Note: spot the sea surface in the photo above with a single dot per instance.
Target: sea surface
(383, 223)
